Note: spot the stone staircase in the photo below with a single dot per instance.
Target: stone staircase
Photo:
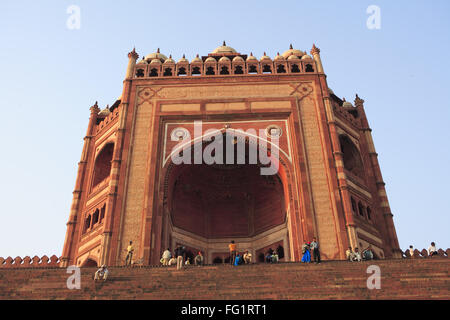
(425, 278)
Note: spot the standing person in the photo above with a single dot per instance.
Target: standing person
(179, 252)
(315, 249)
(411, 251)
(199, 259)
(232, 247)
(306, 254)
(432, 250)
(166, 257)
(129, 250)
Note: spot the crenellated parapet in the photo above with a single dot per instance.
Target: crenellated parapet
(424, 253)
(27, 262)
(225, 61)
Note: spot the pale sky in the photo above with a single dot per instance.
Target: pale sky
(51, 75)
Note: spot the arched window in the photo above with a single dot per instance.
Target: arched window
(182, 71)
(210, 71)
(140, 73)
(167, 72)
(295, 69)
(369, 212)
(102, 167)
(361, 209)
(267, 69)
(353, 204)
(87, 223)
(153, 72)
(281, 69)
(252, 69)
(352, 157)
(309, 68)
(102, 213)
(224, 70)
(95, 217)
(238, 70)
(196, 71)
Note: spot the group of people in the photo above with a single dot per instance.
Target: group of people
(237, 258)
(309, 247)
(432, 251)
(356, 255)
(180, 257)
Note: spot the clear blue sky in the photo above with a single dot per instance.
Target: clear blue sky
(51, 75)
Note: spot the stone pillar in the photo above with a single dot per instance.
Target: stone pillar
(74, 209)
(111, 202)
(384, 203)
(132, 57)
(315, 52)
(342, 179)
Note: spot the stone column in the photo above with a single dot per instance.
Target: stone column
(342, 179)
(74, 209)
(315, 52)
(384, 203)
(111, 203)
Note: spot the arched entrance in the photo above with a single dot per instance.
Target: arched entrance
(207, 206)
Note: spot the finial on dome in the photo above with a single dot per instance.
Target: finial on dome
(170, 56)
(95, 109)
(314, 49)
(184, 56)
(278, 53)
(290, 46)
(264, 53)
(157, 51)
(133, 54)
(343, 99)
(196, 55)
(251, 53)
(224, 44)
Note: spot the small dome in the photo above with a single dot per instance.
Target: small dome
(210, 59)
(196, 59)
(155, 61)
(306, 57)
(278, 57)
(105, 112)
(265, 57)
(292, 51)
(183, 59)
(169, 60)
(224, 59)
(251, 58)
(155, 55)
(346, 104)
(142, 61)
(330, 91)
(293, 57)
(224, 49)
(238, 59)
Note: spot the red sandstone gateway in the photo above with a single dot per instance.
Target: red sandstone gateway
(328, 184)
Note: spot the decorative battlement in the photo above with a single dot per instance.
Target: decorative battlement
(424, 253)
(224, 61)
(27, 262)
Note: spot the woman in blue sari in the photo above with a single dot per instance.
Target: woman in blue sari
(306, 254)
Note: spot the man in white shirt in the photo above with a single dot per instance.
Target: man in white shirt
(432, 250)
